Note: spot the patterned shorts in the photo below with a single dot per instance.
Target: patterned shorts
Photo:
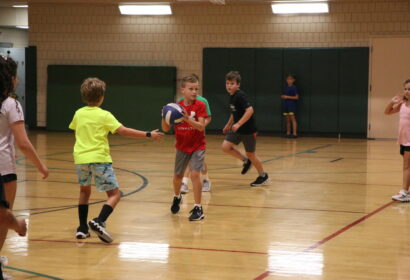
(104, 176)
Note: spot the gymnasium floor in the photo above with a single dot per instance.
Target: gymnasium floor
(327, 214)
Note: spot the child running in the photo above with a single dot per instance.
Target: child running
(401, 104)
(190, 146)
(92, 156)
(241, 127)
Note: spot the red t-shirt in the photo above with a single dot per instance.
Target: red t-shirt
(188, 138)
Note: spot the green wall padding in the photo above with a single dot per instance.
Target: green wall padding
(332, 83)
(134, 94)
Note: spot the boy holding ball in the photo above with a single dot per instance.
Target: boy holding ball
(190, 145)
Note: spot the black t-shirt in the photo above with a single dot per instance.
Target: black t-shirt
(238, 103)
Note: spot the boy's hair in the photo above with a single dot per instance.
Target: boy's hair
(407, 81)
(233, 76)
(291, 76)
(193, 78)
(92, 90)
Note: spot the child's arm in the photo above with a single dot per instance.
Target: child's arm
(394, 105)
(198, 125)
(133, 133)
(24, 144)
(248, 114)
(208, 120)
(165, 127)
(228, 125)
(296, 97)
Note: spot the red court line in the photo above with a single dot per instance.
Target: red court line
(335, 234)
(170, 246)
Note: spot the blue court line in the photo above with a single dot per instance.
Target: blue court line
(34, 273)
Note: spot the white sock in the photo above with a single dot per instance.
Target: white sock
(177, 196)
(199, 205)
(185, 180)
(205, 177)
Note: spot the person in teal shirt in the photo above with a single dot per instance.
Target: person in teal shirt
(206, 183)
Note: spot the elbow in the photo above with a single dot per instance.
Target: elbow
(24, 146)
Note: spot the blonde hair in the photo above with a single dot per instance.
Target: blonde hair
(193, 78)
(92, 90)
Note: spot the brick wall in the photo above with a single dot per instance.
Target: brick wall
(68, 33)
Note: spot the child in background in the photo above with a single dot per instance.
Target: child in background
(12, 131)
(401, 103)
(92, 156)
(290, 97)
(241, 127)
(190, 146)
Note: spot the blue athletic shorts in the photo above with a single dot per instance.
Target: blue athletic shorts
(103, 173)
(289, 109)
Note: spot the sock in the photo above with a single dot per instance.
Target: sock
(245, 159)
(106, 211)
(205, 177)
(185, 180)
(199, 205)
(82, 214)
(263, 174)
(177, 196)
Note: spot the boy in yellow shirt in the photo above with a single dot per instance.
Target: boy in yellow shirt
(92, 155)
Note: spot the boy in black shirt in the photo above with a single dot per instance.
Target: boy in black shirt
(241, 128)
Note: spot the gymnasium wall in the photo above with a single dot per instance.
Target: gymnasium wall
(96, 34)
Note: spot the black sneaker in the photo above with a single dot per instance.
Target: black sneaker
(260, 181)
(175, 204)
(99, 228)
(1, 273)
(196, 214)
(82, 232)
(246, 165)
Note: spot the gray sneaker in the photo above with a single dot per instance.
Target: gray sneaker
(206, 186)
(184, 188)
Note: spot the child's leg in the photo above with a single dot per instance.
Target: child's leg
(197, 164)
(9, 221)
(177, 181)
(288, 125)
(197, 186)
(186, 176)
(10, 189)
(85, 192)
(406, 170)
(294, 125)
(229, 148)
(256, 162)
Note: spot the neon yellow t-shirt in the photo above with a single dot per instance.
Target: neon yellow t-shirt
(91, 125)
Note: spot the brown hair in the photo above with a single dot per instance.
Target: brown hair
(233, 76)
(193, 78)
(407, 82)
(92, 90)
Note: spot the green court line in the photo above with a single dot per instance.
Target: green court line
(34, 273)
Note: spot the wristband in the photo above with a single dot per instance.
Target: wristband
(148, 134)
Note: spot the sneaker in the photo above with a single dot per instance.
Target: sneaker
(82, 232)
(184, 188)
(246, 165)
(99, 228)
(175, 204)
(261, 181)
(402, 196)
(3, 263)
(196, 214)
(206, 186)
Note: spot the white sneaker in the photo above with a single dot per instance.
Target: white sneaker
(184, 188)
(3, 263)
(206, 186)
(402, 196)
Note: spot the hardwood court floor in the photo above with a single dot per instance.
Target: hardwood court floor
(327, 214)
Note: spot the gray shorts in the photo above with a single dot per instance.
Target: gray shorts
(195, 161)
(249, 140)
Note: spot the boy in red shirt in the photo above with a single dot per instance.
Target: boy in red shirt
(190, 145)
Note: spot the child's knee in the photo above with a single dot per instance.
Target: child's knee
(195, 175)
(251, 156)
(226, 147)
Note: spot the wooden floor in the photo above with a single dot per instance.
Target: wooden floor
(327, 214)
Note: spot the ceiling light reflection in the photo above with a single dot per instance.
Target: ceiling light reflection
(293, 262)
(146, 252)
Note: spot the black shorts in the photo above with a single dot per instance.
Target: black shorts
(9, 178)
(249, 140)
(3, 201)
(404, 149)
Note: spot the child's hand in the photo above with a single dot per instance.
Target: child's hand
(156, 135)
(22, 227)
(235, 127)
(44, 171)
(284, 96)
(226, 129)
(185, 114)
(398, 99)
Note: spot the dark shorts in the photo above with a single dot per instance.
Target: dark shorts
(289, 109)
(3, 201)
(404, 149)
(249, 140)
(9, 178)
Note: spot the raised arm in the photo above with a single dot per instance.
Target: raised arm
(25, 146)
(133, 133)
(394, 105)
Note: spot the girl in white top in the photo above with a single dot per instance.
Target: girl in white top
(12, 130)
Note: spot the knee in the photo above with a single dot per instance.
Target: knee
(195, 175)
(178, 177)
(251, 156)
(226, 148)
(85, 191)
